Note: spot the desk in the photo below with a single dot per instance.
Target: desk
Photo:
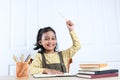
(56, 78)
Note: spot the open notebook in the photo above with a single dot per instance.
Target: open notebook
(53, 75)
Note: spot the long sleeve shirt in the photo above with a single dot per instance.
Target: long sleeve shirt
(36, 65)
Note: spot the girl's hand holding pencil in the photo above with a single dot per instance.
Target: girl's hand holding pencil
(70, 25)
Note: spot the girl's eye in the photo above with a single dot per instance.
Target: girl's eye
(50, 38)
(46, 39)
(53, 38)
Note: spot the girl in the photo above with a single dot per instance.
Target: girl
(48, 60)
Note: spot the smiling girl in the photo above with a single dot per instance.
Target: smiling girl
(48, 60)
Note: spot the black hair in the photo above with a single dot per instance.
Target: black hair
(39, 47)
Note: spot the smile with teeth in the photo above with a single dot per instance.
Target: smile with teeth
(50, 45)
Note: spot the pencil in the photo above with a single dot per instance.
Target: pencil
(28, 57)
(62, 16)
(22, 58)
(15, 58)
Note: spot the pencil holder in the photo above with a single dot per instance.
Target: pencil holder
(21, 69)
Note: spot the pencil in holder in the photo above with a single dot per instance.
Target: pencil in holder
(21, 69)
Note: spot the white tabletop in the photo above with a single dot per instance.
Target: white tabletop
(55, 78)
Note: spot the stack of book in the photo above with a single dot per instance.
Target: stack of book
(96, 71)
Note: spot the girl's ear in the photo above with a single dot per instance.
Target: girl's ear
(40, 43)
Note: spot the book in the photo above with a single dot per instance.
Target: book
(43, 75)
(97, 69)
(92, 76)
(98, 72)
(91, 65)
(53, 75)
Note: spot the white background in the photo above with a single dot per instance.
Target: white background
(97, 24)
